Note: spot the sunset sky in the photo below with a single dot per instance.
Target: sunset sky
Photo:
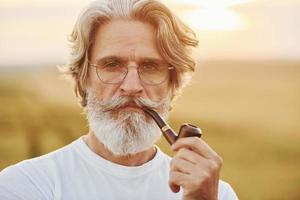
(35, 32)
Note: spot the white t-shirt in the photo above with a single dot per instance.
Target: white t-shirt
(74, 172)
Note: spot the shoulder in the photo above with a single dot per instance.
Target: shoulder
(33, 178)
(23, 181)
(226, 192)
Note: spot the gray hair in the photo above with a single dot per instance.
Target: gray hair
(173, 39)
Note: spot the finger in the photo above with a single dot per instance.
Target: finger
(197, 161)
(190, 156)
(195, 144)
(176, 180)
(182, 165)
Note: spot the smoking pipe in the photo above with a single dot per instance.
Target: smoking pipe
(186, 130)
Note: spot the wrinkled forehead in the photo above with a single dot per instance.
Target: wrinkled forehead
(132, 56)
(131, 39)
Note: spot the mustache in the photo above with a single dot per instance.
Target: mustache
(123, 101)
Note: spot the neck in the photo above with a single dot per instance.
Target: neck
(136, 159)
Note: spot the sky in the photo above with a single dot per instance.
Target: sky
(34, 32)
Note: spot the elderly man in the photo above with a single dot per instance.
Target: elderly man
(126, 55)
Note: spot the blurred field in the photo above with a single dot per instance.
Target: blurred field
(249, 113)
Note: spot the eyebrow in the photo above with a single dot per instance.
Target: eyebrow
(124, 59)
(108, 58)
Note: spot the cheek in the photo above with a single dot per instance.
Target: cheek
(104, 92)
(158, 92)
(101, 90)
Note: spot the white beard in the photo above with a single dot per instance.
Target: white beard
(130, 133)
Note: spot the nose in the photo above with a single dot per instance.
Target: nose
(131, 84)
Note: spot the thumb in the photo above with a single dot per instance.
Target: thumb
(175, 188)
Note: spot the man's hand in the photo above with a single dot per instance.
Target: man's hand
(195, 167)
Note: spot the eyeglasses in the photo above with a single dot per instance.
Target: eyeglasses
(113, 70)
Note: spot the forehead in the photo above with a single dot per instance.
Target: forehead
(132, 39)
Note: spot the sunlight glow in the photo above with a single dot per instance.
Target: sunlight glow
(208, 3)
(212, 14)
(214, 19)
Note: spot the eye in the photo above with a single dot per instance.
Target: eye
(112, 64)
(149, 66)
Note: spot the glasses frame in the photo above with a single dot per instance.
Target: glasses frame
(170, 67)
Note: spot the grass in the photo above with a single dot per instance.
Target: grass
(249, 113)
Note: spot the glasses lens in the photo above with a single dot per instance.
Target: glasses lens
(153, 73)
(111, 73)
